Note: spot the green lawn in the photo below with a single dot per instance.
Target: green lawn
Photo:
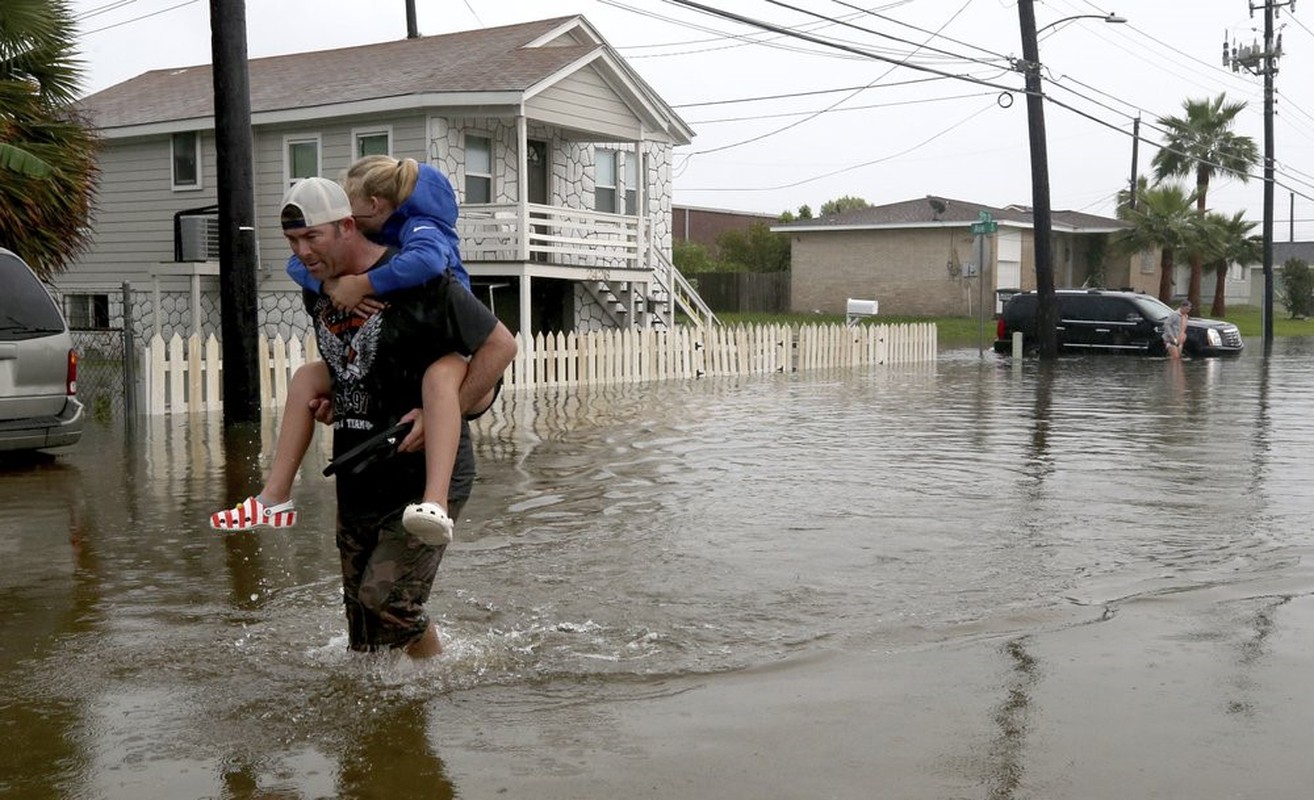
(955, 332)
(1250, 320)
(951, 332)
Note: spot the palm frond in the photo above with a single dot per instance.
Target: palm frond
(16, 159)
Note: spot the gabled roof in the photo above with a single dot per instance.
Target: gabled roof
(1285, 251)
(941, 212)
(490, 66)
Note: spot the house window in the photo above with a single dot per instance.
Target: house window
(1147, 263)
(631, 183)
(87, 311)
(604, 182)
(478, 169)
(372, 143)
(302, 158)
(187, 160)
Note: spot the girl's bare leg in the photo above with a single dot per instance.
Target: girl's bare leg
(442, 425)
(273, 507)
(428, 520)
(295, 431)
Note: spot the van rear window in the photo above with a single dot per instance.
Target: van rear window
(26, 309)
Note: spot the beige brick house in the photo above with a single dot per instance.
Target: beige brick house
(917, 257)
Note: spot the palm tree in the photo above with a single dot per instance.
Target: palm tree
(16, 159)
(1164, 219)
(1202, 145)
(1233, 244)
(1124, 197)
(47, 154)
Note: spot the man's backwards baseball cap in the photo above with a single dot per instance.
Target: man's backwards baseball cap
(314, 201)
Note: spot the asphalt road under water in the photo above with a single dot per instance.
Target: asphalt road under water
(629, 547)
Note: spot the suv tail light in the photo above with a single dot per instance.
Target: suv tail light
(71, 382)
(1000, 328)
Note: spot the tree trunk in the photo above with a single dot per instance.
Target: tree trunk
(1193, 286)
(1197, 261)
(1166, 275)
(1219, 309)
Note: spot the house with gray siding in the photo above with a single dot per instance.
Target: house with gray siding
(1253, 274)
(559, 152)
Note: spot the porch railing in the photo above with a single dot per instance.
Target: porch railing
(579, 238)
(552, 234)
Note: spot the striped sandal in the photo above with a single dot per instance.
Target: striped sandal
(251, 514)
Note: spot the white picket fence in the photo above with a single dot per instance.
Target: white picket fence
(184, 375)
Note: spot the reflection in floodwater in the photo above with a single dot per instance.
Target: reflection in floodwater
(625, 540)
(1040, 463)
(1008, 757)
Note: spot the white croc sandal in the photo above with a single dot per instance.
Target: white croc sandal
(429, 523)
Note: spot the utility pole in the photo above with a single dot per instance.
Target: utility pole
(1041, 225)
(412, 26)
(1136, 144)
(1263, 62)
(236, 199)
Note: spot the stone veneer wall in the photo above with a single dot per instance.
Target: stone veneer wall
(570, 183)
(278, 313)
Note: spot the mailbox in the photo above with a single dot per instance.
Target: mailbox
(855, 310)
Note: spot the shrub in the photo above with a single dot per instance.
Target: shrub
(1297, 291)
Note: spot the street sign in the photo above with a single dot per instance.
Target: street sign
(984, 224)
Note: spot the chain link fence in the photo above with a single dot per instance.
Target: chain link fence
(102, 368)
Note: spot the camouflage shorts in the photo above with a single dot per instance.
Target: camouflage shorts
(386, 578)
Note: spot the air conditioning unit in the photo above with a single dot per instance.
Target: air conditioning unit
(198, 238)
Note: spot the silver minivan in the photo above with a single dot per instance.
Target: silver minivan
(38, 365)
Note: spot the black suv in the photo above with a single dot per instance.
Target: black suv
(1103, 321)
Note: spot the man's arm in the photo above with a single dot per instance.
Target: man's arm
(482, 372)
(486, 366)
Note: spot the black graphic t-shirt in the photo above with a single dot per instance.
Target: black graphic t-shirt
(377, 365)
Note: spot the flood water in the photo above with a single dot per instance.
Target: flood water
(629, 547)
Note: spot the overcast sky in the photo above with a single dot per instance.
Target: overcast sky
(866, 124)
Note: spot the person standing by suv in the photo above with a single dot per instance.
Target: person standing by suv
(1174, 330)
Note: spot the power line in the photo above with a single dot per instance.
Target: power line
(142, 17)
(915, 45)
(918, 101)
(936, 33)
(473, 13)
(836, 45)
(904, 152)
(799, 94)
(832, 107)
(105, 9)
(715, 39)
(743, 39)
